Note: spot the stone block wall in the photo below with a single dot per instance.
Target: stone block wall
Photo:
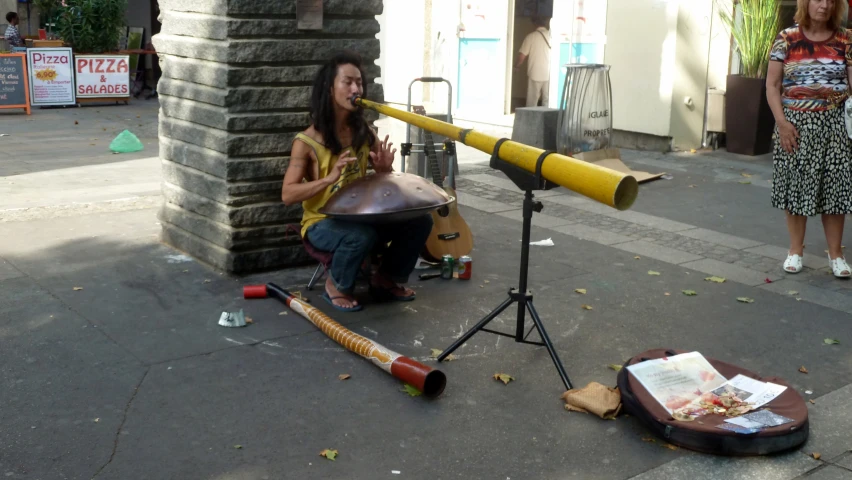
(235, 91)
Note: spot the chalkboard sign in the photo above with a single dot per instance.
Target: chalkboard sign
(14, 90)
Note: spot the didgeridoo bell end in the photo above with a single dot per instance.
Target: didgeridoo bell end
(255, 291)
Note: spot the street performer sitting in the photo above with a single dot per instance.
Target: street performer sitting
(334, 151)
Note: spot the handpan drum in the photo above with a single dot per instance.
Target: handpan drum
(385, 198)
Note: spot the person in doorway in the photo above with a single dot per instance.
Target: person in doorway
(12, 36)
(806, 86)
(536, 49)
(334, 151)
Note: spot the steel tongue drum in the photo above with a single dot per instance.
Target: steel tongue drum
(601, 184)
(385, 198)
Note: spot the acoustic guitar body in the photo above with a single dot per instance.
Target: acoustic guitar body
(450, 234)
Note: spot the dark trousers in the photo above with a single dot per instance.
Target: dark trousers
(351, 243)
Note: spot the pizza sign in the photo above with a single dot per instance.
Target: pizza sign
(102, 76)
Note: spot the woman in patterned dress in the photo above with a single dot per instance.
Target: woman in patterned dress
(806, 86)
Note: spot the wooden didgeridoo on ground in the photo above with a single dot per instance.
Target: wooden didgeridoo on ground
(426, 379)
(616, 189)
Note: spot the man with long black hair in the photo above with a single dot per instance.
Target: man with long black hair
(335, 150)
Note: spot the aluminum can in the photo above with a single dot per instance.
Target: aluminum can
(447, 264)
(465, 267)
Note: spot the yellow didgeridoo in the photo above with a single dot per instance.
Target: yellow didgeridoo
(426, 379)
(604, 185)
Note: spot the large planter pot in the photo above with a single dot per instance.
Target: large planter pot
(748, 120)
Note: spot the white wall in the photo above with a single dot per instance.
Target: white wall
(401, 56)
(641, 48)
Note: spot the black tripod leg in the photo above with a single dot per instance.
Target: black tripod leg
(476, 328)
(546, 340)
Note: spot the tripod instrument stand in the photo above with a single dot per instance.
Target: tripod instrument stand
(527, 182)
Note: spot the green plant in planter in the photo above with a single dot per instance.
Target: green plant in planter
(91, 26)
(47, 9)
(754, 33)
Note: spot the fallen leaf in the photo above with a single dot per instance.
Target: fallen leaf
(812, 401)
(670, 446)
(637, 257)
(651, 272)
(692, 150)
(92, 144)
(586, 307)
(649, 439)
(482, 286)
(77, 289)
(831, 341)
(747, 175)
(693, 186)
(792, 292)
(206, 281)
(76, 122)
(97, 420)
(138, 116)
(329, 454)
(667, 294)
(745, 300)
(186, 271)
(615, 367)
(503, 378)
(816, 455)
(803, 369)
(798, 299)
(581, 291)
(411, 390)
(715, 279)
(689, 293)
(486, 281)
(745, 182)
(436, 353)
(343, 376)
(238, 447)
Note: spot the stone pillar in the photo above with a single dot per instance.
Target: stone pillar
(235, 91)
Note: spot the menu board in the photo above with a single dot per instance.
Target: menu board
(51, 76)
(100, 76)
(13, 81)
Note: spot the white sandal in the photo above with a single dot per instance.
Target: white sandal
(793, 264)
(839, 266)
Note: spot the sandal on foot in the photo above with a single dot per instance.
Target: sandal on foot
(330, 300)
(383, 294)
(839, 266)
(793, 264)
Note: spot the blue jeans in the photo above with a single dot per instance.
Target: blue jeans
(351, 243)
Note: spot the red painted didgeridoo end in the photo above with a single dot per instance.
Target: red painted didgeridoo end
(254, 291)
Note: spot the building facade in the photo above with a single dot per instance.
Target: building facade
(667, 58)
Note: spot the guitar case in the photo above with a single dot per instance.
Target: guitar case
(706, 437)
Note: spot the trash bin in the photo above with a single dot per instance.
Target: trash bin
(585, 116)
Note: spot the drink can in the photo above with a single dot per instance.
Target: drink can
(447, 264)
(465, 267)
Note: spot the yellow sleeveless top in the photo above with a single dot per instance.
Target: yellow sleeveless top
(325, 161)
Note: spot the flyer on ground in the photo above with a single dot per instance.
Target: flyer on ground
(102, 76)
(51, 73)
(678, 380)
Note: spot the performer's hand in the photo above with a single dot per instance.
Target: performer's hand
(343, 161)
(788, 136)
(383, 160)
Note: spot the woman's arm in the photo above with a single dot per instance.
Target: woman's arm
(302, 161)
(787, 132)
